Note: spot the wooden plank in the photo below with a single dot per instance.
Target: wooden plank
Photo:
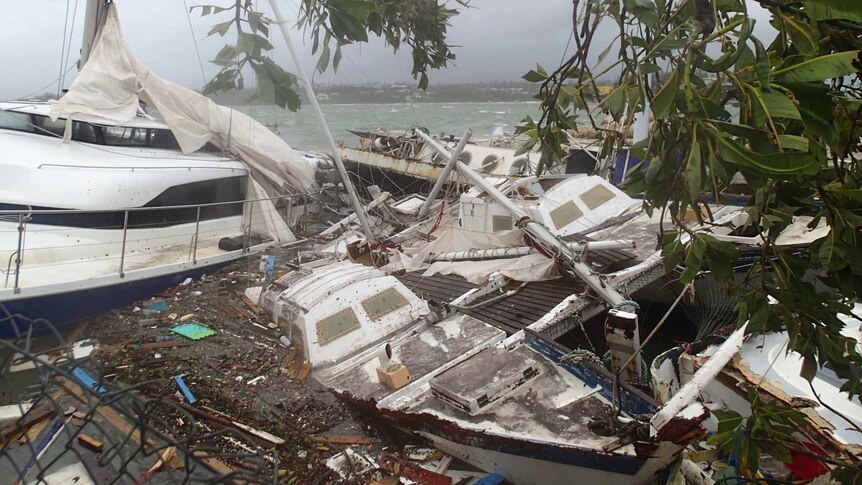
(90, 443)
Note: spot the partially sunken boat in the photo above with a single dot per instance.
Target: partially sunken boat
(522, 407)
(765, 364)
(403, 163)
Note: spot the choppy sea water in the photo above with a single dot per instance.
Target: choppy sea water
(301, 129)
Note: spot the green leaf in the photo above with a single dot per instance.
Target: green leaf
(220, 28)
(615, 102)
(833, 9)
(793, 142)
(770, 105)
(323, 61)
(534, 76)
(693, 170)
(780, 164)
(761, 66)
(664, 98)
(731, 56)
(820, 68)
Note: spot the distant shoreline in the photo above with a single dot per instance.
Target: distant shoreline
(402, 94)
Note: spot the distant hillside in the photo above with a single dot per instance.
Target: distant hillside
(400, 93)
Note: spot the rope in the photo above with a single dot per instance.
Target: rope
(437, 222)
(626, 303)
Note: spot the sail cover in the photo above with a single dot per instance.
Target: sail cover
(112, 82)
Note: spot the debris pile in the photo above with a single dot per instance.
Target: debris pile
(205, 350)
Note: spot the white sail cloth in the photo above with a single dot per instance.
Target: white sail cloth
(532, 267)
(112, 82)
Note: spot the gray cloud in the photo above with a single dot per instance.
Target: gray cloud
(499, 40)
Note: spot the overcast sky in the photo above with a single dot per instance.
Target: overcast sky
(498, 40)
(495, 43)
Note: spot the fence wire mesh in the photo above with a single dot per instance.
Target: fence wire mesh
(61, 421)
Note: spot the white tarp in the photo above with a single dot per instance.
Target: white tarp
(108, 89)
(532, 267)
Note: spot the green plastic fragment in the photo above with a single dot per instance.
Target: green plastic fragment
(193, 331)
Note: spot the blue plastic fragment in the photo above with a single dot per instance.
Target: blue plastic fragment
(157, 306)
(185, 390)
(269, 267)
(88, 380)
(493, 479)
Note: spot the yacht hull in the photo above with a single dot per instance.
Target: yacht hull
(63, 309)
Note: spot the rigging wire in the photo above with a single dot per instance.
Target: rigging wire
(195, 40)
(69, 45)
(43, 88)
(63, 48)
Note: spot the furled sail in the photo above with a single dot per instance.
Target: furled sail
(110, 86)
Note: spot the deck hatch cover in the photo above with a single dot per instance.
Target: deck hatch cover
(597, 196)
(483, 379)
(383, 303)
(565, 214)
(336, 325)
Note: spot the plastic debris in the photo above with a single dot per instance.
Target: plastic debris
(185, 390)
(157, 306)
(186, 282)
(193, 331)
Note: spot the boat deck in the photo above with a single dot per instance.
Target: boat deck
(510, 314)
(421, 353)
(554, 406)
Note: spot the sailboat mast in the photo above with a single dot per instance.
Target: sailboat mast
(306, 83)
(92, 16)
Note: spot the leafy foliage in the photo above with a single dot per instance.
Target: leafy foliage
(332, 24)
(793, 134)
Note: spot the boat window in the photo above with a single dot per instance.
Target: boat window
(465, 157)
(501, 223)
(126, 136)
(597, 196)
(212, 191)
(84, 132)
(48, 126)
(490, 163)
(383, 303)
(336, 326)
(10, 120)
(565, 214)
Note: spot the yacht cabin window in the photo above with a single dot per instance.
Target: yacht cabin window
(383, 303)
(89, 133)
(336, 326)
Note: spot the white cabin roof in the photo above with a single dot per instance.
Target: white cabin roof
(338, 310)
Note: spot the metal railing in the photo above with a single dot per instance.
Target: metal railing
(24, 216)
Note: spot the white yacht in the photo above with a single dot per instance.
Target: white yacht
(102, 204)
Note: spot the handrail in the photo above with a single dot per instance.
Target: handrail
(24, 215)
(10, 212)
